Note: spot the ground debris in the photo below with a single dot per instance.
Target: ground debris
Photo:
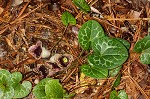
(24, 22)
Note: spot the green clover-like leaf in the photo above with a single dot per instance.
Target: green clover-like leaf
(68, 18)
(94, 72)
(54, 89)
(82, 4)
(142, 44)
(108, 53)
(88, 32)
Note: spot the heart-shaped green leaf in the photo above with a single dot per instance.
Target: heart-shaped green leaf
(109, 53)
(145, 56)
(22, 90)
(124, 42)
(113, 72)
(4, 76)
(82, 4)
(68, 18)
(94, 72)
(53, 89)
(142, 44)
(39, 89)
(88, 32)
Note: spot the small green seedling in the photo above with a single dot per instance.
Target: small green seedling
(82, 4)
(49, 89)
(11, 86)
(118, 95)
(108, 53)
(143, 47)
(67, 18)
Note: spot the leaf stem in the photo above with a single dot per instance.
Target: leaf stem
(58, 40)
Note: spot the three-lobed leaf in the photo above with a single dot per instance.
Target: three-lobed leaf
(67, 18)
(109, 53)
(94, 72)
(82, 4)
(88, 32)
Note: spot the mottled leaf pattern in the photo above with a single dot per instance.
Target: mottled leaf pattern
(109, 53)
(4, 76)
(94, 72)
(22, 90)
(88, 32)
(8, 93)
(16, 77)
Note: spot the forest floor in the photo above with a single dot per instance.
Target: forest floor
(24, 22)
